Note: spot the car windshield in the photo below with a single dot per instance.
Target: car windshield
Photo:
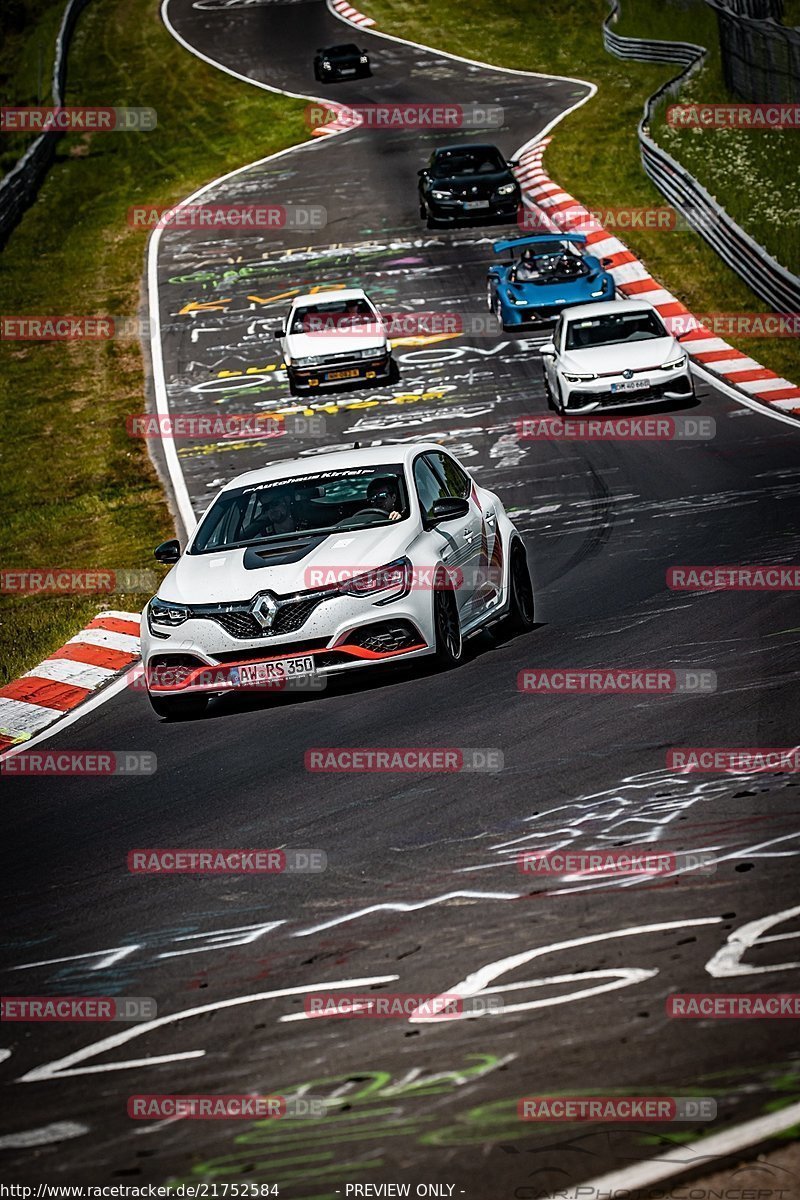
(483, 161)
(334, 316)
(342, 51)
(326, 502)
(615, 328)
(550, 266)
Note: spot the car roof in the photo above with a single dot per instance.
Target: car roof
(606, 307)
(333, 294)
(333, 460)
(461, 147)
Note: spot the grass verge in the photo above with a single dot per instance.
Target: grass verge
(76, 491)
(594, 154)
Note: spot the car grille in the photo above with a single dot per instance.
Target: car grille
(292, 614)
(613, 400)
(386, 636)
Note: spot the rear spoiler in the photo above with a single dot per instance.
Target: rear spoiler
(539, 239)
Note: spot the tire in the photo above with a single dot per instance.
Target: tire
(423, 212)
(558, 403)
(548, 391)
(498, 312)
(521, 618)
(178, 708)
(447, 630)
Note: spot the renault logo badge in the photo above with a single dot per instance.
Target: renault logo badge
(264, 608)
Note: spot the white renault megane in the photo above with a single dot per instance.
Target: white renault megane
(330, 562)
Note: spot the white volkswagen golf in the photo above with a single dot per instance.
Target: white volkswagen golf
(330, 562)
(612, 354)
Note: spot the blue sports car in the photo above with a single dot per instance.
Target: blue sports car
(545, 273)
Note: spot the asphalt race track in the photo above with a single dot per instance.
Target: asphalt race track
(422, 888)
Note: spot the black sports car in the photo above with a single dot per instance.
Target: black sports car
(340, 62)
(466, 182)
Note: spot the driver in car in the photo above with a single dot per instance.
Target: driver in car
(383, 493)
(279, 515)
(526, 267)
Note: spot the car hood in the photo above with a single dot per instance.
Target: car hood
(634, 356)
(551, 293)
(224, 576)
(323, 345)
(461, 183)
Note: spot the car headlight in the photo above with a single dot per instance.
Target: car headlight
(306, 362)
(389, 582)
(506, 189)
(514, 300)
(578, 378)
(159, 612)
(439, 195)
(326, 67)
(375, 352)
(599, 293)
(363, 59)
(674, 364)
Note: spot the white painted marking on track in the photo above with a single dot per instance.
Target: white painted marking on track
(405, 906)
(62, 1068)
(45, 1135)
(689, 1156)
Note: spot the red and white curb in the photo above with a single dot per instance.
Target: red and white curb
(346, 118)
(91, 660)
(351, 14)
(712, 353)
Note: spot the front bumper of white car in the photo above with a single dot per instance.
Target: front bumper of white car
(338, 632)
(340, 369)
(651, 386)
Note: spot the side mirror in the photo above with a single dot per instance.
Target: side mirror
(422, 172)
(278, 333)
(450, 508)
(548, 350)
(168, 552)
(513, 162)
(605, 263)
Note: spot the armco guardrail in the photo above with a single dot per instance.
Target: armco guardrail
(19, 187)
(760, 271)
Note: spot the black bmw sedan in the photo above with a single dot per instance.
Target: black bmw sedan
(463, 182)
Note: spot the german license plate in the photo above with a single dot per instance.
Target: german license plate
(255, 674)
(631, 385)
(348, 70)
(476, 204)
(343, 374)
